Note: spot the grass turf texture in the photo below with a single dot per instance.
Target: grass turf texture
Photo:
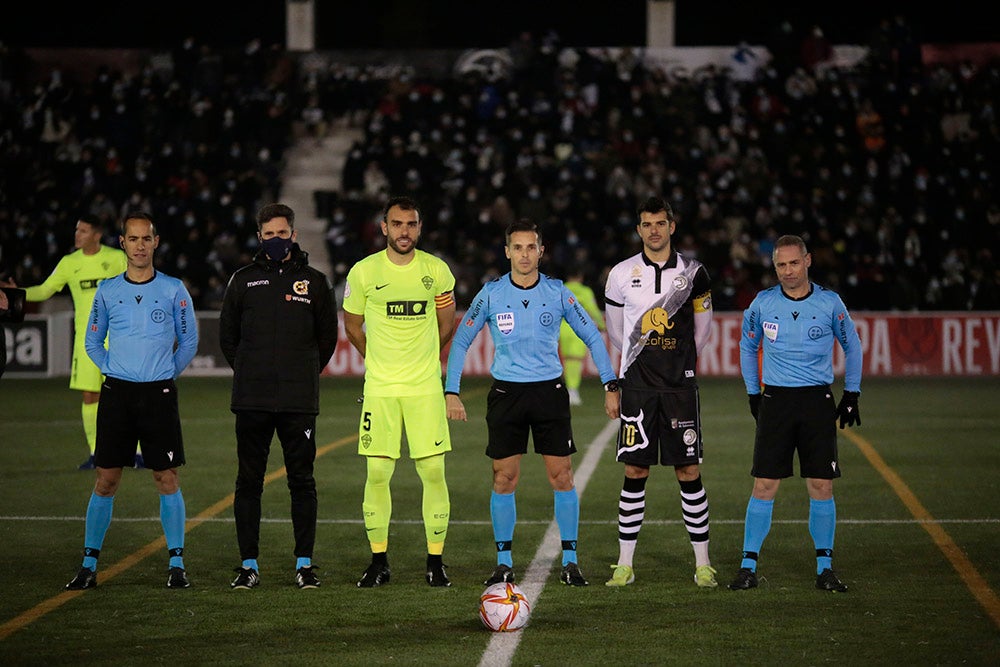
(908, 602)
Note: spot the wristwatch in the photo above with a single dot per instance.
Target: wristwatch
(611, 385)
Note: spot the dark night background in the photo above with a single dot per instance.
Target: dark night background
(395, 24)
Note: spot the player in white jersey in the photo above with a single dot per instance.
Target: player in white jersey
(658, 306)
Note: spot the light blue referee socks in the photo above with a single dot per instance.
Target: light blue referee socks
(567, 510)
(503, 512)
(822, 525)
(98, 519)
(173, 517)
(755, 529)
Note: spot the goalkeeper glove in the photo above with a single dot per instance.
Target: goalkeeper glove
(754, 405)
(848, 411)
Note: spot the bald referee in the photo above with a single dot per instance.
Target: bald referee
(144, 314)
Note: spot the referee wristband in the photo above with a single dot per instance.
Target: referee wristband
(611, 386)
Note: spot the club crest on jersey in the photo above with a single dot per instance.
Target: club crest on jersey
(680, 282)
(505, 323)
(771, 331)
(636, 277)
(301, 287)
(427, 281)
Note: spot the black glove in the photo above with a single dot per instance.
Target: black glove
(848, 411)
(754, 405)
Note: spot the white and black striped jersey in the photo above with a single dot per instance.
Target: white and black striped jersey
(650, 312)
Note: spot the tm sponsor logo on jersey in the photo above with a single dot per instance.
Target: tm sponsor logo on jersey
(405, 309)
(258, 283)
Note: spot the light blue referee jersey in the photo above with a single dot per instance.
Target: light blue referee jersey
(142, 322)
(524, 325)
(798, 336)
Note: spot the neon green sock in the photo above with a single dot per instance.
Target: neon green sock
(89, 411)
(377, 503)
(436, 503)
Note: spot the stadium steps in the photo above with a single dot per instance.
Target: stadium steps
(315, 164)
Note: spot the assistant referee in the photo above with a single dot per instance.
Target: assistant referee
(152, 334)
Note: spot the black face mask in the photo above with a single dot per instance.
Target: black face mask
(276, 248)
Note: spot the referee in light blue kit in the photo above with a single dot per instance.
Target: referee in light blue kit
(152, 336)
(524, 310)
(796, 323)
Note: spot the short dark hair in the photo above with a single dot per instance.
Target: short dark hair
(789, 240)
(655, 205)
(269, 212)
(137, 215)
(92, 220)
(405, 203)
(522, 225)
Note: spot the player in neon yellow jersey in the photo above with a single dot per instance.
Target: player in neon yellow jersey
(399, 312)
(82, 270)
(571, 348)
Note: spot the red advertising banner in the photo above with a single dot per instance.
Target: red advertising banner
(894, 344)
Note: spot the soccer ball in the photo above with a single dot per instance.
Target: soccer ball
(504, 607)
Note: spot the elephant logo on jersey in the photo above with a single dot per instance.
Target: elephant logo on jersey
(656, 320)
(428, 282)
(301, 287)
(632, 436)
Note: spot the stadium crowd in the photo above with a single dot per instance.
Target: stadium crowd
(886, 167)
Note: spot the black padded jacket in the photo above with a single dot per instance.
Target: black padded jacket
(278, 330)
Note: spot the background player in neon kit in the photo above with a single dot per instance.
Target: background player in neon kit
(659, 313)
(796, 323)
(399, 312)
(152, 335)
(571, 348)
(524, 310)
(82, 270)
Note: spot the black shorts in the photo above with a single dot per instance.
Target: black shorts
(798, 419)
(133, 413)
(512, 408)
(660, 426)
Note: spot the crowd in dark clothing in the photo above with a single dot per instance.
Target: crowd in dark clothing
(198, 144)
(886, 167)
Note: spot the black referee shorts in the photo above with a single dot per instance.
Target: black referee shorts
(796, 419)
(133, 413)
(514, 408)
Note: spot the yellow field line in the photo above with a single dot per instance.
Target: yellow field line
(975, 582)
(42, 608)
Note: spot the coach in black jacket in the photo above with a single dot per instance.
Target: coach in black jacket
(278, 329)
